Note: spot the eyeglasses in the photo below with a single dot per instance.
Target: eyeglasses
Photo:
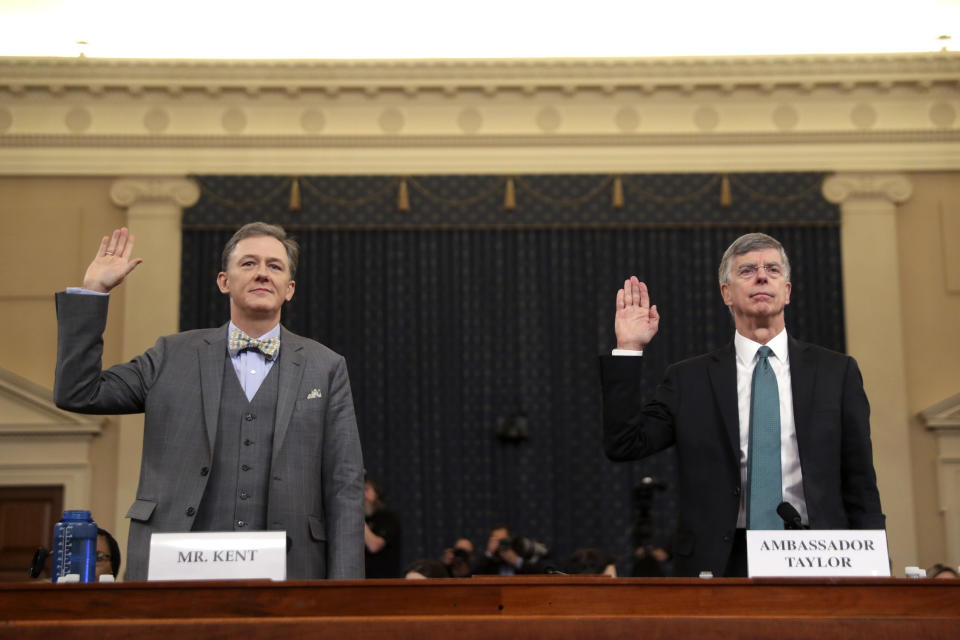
(774, 270)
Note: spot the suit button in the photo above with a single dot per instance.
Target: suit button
(250, 417)
(736, 491)
(248, 442)
(244, 495)
(191, 511)
(204, 471)
(241, 523)
(245, 467)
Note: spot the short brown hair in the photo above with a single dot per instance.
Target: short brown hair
(252, 229)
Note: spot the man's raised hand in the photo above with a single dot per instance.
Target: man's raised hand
(636, 321)
(112, 263)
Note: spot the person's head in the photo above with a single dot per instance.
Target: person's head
(426, 568)
(755, 280)
(463, 544)
(592, 561)
(459, 558)
(108, 554)
(500, 535)
(942, 571)
(258, 266)
(372, 493)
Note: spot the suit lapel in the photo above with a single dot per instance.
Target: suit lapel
(723, 378)
(803, 370)
(291, 370)
(212, 353)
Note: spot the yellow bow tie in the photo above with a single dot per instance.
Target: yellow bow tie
(240, 341)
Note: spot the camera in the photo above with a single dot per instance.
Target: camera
(527, 548)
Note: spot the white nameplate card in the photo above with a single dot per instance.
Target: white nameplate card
(809, 553)
(218, 555)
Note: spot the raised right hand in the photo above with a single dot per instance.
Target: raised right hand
(112, 263)
(636, 322)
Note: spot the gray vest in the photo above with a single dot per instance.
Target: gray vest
(236, 495)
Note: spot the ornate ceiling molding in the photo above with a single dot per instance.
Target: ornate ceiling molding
(83, 116)
(764, 73)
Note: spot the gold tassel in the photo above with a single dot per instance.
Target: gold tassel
(510, 196)
(726, 196)
(295, 195)
(618, 193)
(403, 196)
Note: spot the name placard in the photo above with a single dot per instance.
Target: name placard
(218, 555)
(808, 553)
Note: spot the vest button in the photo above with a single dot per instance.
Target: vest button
(248, 417)
(191, 511)
(245, 467)
(241, 523)
(204, 471)
(244, 495)
(248, 442)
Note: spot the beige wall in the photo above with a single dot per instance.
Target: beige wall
(931, 326)
(51, 226)
(50, 230)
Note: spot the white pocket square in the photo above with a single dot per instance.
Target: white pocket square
(314, 394)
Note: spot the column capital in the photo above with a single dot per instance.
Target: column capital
(182, 192)
(841, 187)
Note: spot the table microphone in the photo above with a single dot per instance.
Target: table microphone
(790, 515)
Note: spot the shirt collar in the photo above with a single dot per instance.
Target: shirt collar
(747, 348)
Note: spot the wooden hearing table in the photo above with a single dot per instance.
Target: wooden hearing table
(489, 607)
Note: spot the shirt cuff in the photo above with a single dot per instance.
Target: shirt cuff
(85, 292)
(626, 352)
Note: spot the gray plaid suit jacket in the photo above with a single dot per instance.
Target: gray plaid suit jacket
(316, 476)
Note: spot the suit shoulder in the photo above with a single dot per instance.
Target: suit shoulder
(822, 354)
(309, 345)
(704, 359)
(192, 336)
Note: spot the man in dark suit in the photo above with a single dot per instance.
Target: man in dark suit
(246, 427)
(703, 406)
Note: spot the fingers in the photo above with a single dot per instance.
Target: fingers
(102, 250)
(644, 294)
(127, 248)
(634, 293)
(112, 242)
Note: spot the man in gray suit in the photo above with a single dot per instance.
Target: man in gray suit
(247, 426)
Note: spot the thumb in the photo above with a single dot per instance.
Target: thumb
(654, 314)
(131, 266)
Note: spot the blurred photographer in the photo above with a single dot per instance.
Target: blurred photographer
(458, 559)
(507, 555)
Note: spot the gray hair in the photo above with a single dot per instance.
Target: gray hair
(252, 229)
(747, 243)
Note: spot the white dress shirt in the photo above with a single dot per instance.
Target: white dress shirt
(791, 477)
(252, 366)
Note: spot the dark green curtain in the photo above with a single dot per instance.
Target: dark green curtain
(448, 330)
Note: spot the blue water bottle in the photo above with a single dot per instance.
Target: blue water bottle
(75, 546)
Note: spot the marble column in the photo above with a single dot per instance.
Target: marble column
(874, 331)
(151, 299)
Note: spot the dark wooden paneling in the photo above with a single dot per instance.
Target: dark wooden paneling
(27, 517)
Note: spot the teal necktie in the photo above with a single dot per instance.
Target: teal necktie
(763, 476)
